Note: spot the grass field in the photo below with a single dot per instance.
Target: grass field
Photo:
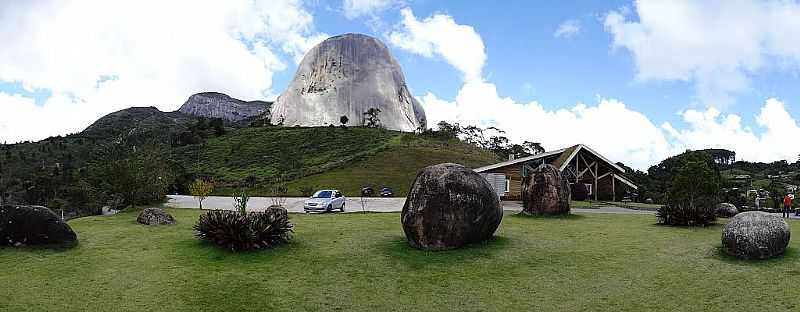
(356, 262)
(322, 157)
(639, 206)
(395, 166)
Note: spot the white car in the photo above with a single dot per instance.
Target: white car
(324, 200)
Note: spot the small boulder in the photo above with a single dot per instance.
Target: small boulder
(755, 235)
(155, 216)
(33, 225)
(545, 192)
(277, 211)
(726, 210)
(450, 206)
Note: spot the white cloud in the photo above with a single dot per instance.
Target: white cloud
(710, 129)
(439, 35)
(612, 128)
(158, 52)
(357, 8)
(609, 127)
(717, 45)
(568, 29)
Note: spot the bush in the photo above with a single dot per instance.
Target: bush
(694, 194)
(306, 190)
(238, 231)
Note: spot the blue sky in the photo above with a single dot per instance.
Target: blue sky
(638, 81)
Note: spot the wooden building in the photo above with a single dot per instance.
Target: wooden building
(580, 164)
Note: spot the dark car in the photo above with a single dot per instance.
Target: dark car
(367, 192)
(387, 192)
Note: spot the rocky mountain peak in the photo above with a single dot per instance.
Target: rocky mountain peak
(346, 75)
(219, 105)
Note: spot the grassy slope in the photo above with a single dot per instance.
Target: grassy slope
(323, 157)
(357, 262)
(396, 165)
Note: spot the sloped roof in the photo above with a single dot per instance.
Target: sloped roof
(520, 160)
(563, 157)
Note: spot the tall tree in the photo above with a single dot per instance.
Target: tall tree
(372, 118)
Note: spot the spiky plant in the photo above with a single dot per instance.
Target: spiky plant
(237, 231)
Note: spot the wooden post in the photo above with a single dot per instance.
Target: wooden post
(596, 171)
(613, 187)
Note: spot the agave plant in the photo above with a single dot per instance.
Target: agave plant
(237, 231)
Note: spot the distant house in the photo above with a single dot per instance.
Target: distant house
(603, 178)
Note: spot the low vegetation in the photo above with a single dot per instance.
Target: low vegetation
(694, 192)
(361, 262)
(242, 231)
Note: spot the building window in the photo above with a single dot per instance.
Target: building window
(508, 185)
(589, 188)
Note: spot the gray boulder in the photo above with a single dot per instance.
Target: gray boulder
(34, 225)
(155, 216)
(755, 235)
(218, 105)
(545, 192)
(448, 207)
(726, 210)
(347, 75)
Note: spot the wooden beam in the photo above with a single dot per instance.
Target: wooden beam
(613, 188)
(586, 162)
(584, 171)
(595, 182)
(604, 175)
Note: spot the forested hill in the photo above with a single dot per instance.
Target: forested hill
(136, 155)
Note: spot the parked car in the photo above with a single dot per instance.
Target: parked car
(387, 192)
(367, 192)
(324, 200)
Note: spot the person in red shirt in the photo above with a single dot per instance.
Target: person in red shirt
(787, 204)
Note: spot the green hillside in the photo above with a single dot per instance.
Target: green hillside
(323, 157)
(134, 156)
(396, 165)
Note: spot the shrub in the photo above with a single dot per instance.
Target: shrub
(200, 189)
(694, 194)
(238, 231)
(306, 190)
(240, 200)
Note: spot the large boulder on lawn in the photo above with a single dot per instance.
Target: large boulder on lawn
(450, 206)
(755, 235)
(33, 225)
(155, 216)
(545, 192)
(726, 210)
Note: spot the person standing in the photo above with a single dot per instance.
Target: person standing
(787, 204)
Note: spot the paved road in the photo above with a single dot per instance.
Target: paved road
(353, 204)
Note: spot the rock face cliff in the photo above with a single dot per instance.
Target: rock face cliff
(218, 105)
(347, 75)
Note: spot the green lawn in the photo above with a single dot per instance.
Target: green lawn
(396, 166)
(634, 205)
(355, 262)
(581, 204)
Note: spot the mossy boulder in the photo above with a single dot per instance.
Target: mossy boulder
(155, 216)
(448, 207)
(726, 210)
(545, 192)
(34, 225)
(755, 235)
